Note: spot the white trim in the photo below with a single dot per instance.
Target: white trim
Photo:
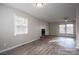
(16, 46)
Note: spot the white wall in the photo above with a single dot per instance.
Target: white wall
(53, 27)
(7, 37)
(77, 28)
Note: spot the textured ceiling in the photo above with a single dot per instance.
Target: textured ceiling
(51, 12)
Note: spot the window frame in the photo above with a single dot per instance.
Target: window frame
(66, 28)
(16, 23)
(60, 29)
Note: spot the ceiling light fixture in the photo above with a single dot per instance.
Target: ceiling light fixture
(66, 19)
(39, 4)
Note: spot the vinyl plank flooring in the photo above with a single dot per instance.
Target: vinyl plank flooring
(47, 45)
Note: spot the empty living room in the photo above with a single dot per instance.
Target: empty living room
(39, 28)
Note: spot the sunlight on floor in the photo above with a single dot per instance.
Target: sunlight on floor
(65, 42)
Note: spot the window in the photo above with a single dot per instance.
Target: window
(69, 28)
(62, 28)
(66, 29)
(21, 25)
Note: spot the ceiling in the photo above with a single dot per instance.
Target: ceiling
(51, 12)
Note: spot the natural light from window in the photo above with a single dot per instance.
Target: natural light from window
(62, 28)
(66, 29)
(21, 25)
(69, 28)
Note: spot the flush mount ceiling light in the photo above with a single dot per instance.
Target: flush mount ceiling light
(39, 4)
(66, 19)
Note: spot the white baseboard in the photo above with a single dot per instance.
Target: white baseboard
(16, 46)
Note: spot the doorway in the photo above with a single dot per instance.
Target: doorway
(43, 32)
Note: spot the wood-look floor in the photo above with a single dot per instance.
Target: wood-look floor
(46, 46)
